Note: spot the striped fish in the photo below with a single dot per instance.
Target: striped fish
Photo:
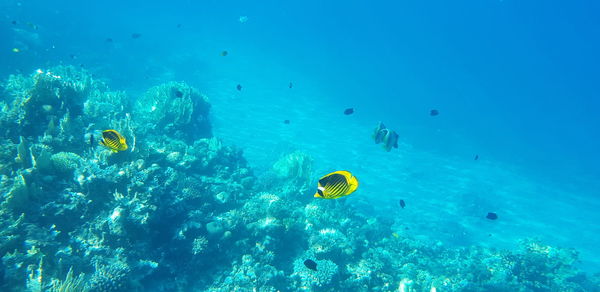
(113, 140)
(336, 185)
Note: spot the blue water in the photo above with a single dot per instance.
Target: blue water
(515, 82)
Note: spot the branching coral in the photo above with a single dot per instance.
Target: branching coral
(326, 270)
(71, 283)
(110, 278)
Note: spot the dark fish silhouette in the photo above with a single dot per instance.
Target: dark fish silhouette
(492, 216)
(136, 35)
(287, 122)
(179, 25)
(92, 140)
(14, 22)
(239, 87)
(178, 93)
(434, 112)
(402, 204)
(349, 111)
(224, 53)
(476, 157)
(310, 264)
(290, 85)
(108, 40)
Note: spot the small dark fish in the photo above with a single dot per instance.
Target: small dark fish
(224, 53)
(14, 22)
(178, 93)
(92, 144)
(136, 35)
(492, 216)
(402, 204)
(290, 85)
(476, 157)
(349, 111)
(179, 25)
(239, 87)
(108, 40)
(310, 264)
(434, 112)
(287, 122)
(72, 56)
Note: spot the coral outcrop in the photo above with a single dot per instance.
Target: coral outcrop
(182, 211)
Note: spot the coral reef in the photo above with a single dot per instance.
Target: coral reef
(175, 109)
(181, 211)
(309, 279)
(109, 278)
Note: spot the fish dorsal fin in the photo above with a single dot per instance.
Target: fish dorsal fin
(332, 178)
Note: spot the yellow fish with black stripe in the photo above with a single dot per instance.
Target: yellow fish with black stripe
(336, 185)
(113, 140)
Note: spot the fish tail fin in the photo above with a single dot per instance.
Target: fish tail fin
(353, 183)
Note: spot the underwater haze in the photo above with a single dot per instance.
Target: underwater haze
(226, 118)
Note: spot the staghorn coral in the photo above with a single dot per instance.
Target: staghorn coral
(71, 283)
